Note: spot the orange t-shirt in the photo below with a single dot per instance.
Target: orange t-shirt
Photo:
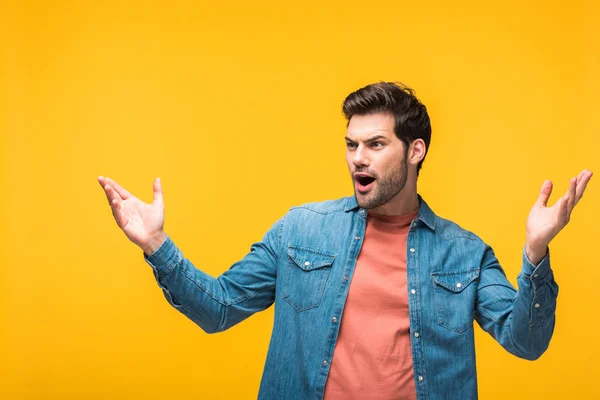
(372, 357)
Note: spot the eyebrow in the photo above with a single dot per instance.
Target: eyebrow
(370, 140)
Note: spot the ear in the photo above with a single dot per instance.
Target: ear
(416, 151)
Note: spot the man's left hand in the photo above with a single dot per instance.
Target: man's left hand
(544, 222)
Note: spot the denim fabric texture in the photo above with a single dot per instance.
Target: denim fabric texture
(304, 265)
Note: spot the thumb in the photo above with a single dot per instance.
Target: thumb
(158, 194)
(545, 192)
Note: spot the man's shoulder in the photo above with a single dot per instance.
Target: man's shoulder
(325, 207)
(314, 223)
(451, 230)
(443, 227)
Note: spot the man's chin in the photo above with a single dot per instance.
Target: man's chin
(362, 199)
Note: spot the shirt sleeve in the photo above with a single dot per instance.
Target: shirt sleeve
(521, 321)
(216, 304)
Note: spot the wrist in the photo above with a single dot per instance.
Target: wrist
(154, 243)
(535, 254)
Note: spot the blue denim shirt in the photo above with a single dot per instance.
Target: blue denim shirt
(304, 265)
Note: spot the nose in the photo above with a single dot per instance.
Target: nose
(360, 158)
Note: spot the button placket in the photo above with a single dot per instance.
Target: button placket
(412, 263)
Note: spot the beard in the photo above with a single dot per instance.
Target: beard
(385, 188)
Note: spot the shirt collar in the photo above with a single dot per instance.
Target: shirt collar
(426, 214)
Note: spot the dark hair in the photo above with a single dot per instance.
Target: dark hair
(410, 115)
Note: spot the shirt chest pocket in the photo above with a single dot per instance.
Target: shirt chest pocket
(304, 276)
(455, 294)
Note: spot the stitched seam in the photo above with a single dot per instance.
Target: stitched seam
(223, 319)
(255, 293)
(173, 262)
(452, 272)
(494, 320)
(459, 236)
(300, 309)
(202, 288)
(496, 284)
(237, 300)
(316, 211)
(279, 233)
(311, 250)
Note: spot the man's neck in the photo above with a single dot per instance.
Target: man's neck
(403, 203)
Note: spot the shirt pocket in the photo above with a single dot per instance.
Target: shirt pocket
(455, 293)
(305, 276)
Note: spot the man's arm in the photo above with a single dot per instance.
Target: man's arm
(214, 304)
(523, 322)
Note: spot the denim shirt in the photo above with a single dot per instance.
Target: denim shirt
(304, 265)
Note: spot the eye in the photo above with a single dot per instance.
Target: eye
(377, 145)
(351, 145)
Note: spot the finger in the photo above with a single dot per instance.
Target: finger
(545, 192)
(158, 193)
(108, 190)
(562, 204)
(117, 211)
(122, 192)
(111, 194)
(103, 182)
(571, 196)
(582, 184)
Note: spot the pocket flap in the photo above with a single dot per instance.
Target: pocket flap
(455, 281)
(309, 259)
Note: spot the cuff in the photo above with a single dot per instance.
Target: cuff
(165, 258)
(537, 274)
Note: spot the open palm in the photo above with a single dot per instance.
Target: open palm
(142, 223)
(544, 222)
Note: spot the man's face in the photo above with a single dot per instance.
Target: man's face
(376, 159)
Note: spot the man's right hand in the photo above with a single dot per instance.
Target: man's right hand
(141, 222)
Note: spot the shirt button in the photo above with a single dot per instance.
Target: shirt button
(537, 305)
(325, 363)
(459, 285)
(362, 211)
(334, 319)
(307, 263)
(420, 378)
(413, 291)
(345, 277)
(412, 249)
(536, 275)
(416, 334)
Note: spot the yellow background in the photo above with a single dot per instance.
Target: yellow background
(236, 106)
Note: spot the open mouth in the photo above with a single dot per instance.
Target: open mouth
(363, 182)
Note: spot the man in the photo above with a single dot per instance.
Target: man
(375, 296)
